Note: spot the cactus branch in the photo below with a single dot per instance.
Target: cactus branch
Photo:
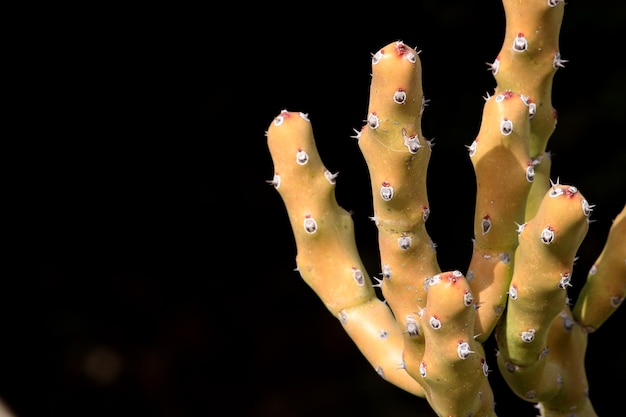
(327, 258)
(605, 288)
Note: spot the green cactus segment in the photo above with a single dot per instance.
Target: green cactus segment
(529, 59)
(542, 274)
(504, 171)
(396, 152)
(605, 288)
(513, 174)
(504, 174)
(397, 156)
(527, 63)
(557, 382)
(568, 345)
(327, 257)
(541, 348)
(453, 370)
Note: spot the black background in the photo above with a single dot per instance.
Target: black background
(153, 245)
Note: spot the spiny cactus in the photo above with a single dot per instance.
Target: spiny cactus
(425, 335)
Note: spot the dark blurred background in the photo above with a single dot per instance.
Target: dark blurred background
(160, 264)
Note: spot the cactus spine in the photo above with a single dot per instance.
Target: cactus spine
(426, 334)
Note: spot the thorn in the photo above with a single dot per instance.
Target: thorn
(357, 135)
(558, 62)
(274, 182)
(331, 177)
(493, 66)
(379, 283)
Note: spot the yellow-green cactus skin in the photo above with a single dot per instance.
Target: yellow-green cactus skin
(605, 288)
(397, 155)
(453, 369)
(424, 330)
(518, 119)
(537, 319)
(327, 255)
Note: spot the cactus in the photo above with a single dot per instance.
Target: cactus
(425, 331)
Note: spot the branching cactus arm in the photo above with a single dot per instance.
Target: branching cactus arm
(397, 156)
(327, 257)
(531, 336)
(605, 288)
(454, 367)
(442, 353)
(509, 154)
(500, 157)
